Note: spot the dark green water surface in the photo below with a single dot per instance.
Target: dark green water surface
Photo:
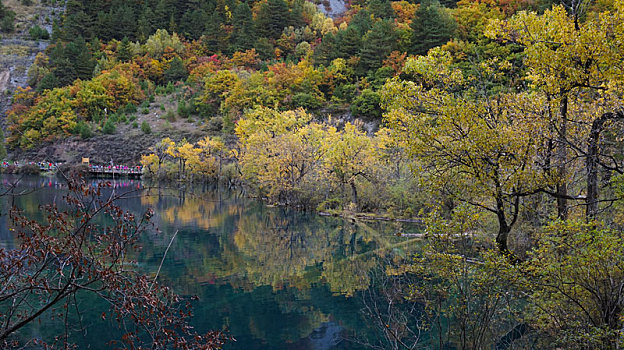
(275, 278)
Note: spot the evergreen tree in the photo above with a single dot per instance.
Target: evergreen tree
(272, 19)
(57, 52)
(78, 53)
(243, 33)
(176, 71)
(95, 46)
(6, 19)
(431, 27)
(296, 15)
(378, 43)
(3, 151)
(79, 23)
(381, 8)
(124, 22)
(93, 7)
(362, 22)
(48, 82)
(57, 32)
(189, 5)
(146, 25)
(325, 52)
(73, 6)
(226, 7)
(123, 53)
(173, 27)
(451, 3)
(264, 48)
(163, 12)
(64, 72)
(215, 38)
(348, 42)
(193, 23)
(209, 6)
(104, 28)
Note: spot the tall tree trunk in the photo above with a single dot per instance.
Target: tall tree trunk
(503, 234)
(592, 169)
(503, 227)
(592, 162)
(562, 158)
(354, 194)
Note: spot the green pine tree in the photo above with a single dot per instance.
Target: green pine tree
(431, 27)
(377, 45)
(163, 11)
(124, 53)
(215, 38)
(296, 14)
(173, 27)
(64, 72)
(104, 28)
(325, 52)
(125, 22)
(82, 60)
(176, 71)
(381, 9)
(3, 151)
(273, 17)
(193, 23)
(48, 82)
(57, 32)
(243, 33)
(77, 22)
(264, 48)
(146, 25)
(348, 42)
(7, 17)
(362, 22)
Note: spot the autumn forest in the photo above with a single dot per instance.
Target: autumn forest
(495, 125)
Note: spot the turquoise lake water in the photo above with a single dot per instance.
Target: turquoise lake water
(274, 278)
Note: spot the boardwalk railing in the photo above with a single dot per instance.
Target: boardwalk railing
(120, 170)
(104, 170)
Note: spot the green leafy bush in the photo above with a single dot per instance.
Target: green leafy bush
(170, 116)
(367, 105)
(184, 109)
(131, 108)
(109, 127)
(38, 33)
(145, 127)
(307, 101)
(83, 129)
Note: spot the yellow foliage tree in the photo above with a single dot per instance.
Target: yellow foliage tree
(482, 151)
(576, 64)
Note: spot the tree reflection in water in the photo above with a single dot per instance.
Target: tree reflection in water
(277, 278)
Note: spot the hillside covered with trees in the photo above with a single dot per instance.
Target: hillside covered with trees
(498, 123)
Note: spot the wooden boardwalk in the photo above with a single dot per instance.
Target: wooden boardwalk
(117, 170)
(98, 170)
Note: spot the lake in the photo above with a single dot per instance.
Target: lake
(275, 278)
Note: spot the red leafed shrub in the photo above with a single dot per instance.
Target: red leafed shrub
(71, 251)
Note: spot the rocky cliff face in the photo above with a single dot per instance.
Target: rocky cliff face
(333, 8)
(17, 51)
(16, 57)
